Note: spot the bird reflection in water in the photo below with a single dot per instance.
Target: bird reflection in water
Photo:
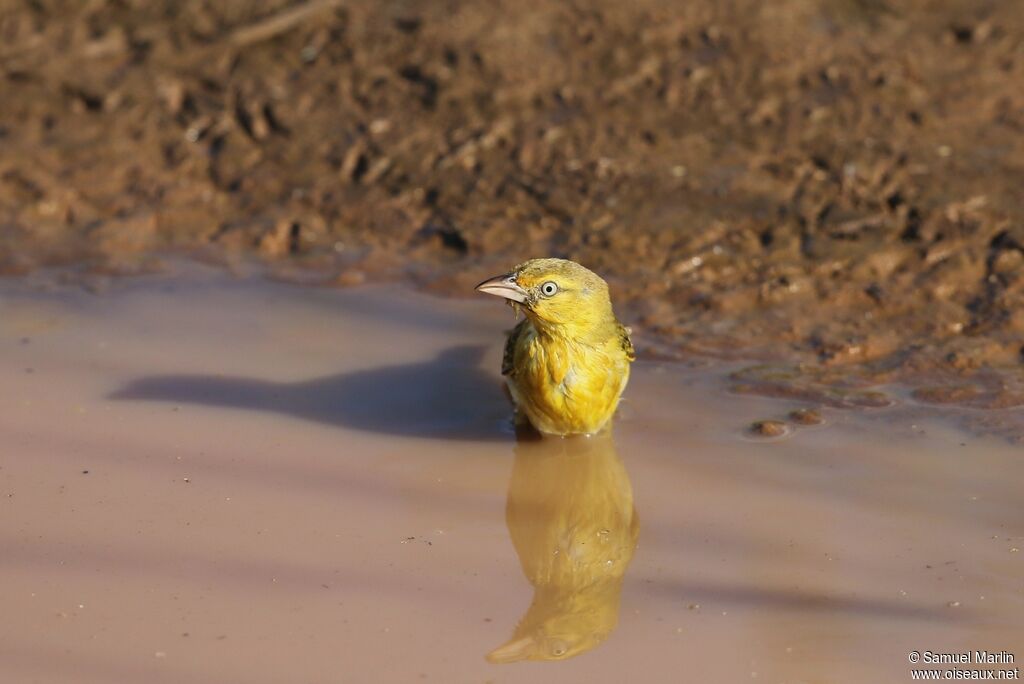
(571, 518)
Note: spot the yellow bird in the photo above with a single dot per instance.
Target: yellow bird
(567, 362)
(571, 517)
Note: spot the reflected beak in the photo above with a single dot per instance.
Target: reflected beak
(515, 650)
(504, 286)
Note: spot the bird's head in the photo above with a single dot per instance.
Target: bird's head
(555, 293)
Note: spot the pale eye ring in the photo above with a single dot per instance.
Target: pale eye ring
(548, 289)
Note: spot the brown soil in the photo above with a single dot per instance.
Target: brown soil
(836, 183)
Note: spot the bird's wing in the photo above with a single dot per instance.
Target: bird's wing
(626, 343)
(508, 360)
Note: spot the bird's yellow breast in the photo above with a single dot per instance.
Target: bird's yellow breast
(565, 386)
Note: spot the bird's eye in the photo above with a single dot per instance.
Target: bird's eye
(548, 289)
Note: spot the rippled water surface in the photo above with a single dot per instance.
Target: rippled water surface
(205, 479)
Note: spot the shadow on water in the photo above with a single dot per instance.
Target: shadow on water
(571, 518)
(447, 397)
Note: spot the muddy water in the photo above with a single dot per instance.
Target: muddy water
(210, 480)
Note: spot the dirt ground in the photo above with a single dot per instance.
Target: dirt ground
(835, 184)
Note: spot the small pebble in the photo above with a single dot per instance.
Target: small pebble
(806, 416)
(768, 428)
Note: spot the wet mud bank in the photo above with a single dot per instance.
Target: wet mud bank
(833, 184)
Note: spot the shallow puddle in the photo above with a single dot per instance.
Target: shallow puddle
(205, 479)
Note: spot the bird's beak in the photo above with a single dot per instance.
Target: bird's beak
(504, 286)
